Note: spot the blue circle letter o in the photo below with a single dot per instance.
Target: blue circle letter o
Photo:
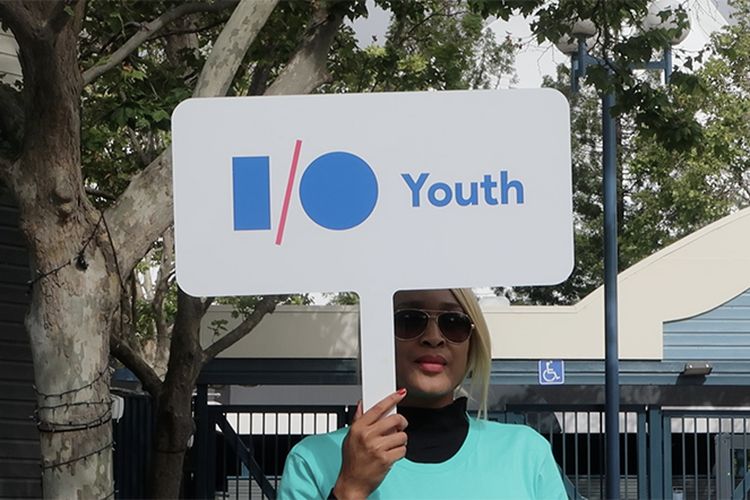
(338, 190)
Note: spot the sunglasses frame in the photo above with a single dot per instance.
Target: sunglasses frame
(434, 315)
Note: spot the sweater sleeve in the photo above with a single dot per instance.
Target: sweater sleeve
(549, 483)
(298, 480)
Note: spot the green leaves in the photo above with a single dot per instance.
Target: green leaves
(625, 51)
(682, 157)
(430, 44)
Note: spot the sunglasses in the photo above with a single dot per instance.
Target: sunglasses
(410, 324)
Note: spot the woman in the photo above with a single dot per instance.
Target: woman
(430, 448)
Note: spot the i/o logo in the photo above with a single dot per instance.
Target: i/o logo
(338, 191)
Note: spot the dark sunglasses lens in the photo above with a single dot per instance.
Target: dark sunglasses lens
(410, 324)
(455, 326)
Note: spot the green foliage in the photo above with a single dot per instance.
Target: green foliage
(126, 111)
(344, 299)
(245, 305)
(219, 327)
(303, 299)
(431, 44)
(665, 192)
(654, 109)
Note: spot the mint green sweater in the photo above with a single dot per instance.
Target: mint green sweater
(495, 461)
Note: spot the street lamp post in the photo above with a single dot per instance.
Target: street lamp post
(577, 47)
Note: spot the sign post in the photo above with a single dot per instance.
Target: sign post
(372, 193)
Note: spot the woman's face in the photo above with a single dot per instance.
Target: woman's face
(429, 367)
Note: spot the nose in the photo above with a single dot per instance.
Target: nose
(432, 336)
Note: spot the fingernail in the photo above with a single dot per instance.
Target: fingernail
(401, 391)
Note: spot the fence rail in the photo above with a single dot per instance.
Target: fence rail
(250, 444)
(665, 453)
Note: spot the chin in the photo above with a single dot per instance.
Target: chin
(428, 388)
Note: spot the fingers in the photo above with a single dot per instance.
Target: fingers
(396, 454)
(393, 441)
(383, 406)
(375, 441)
(389, 425)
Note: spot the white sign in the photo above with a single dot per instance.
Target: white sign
(372, 193)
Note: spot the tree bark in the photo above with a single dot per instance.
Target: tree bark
(164, 279)
(308, 69)
(174, 418)
(75, 287)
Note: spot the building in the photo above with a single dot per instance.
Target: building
(686, 304)
(684, 371)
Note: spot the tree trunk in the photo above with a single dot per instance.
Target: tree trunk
(70, 354)
(75, 288)
(174, 418)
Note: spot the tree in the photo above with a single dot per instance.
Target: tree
(91, 171)
(665, 194)
(82, 256)
(653, 108)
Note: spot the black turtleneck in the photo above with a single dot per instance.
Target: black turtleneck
(435, 434)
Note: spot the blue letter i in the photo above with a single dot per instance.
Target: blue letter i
(251, 191)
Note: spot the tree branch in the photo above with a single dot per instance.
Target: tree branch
(207, 301)
(307, 70)
(231, 46)
(129, 357)
(61, 14)
(144, 210)
(266, 306)
(191, 31)
(98, 193)
(147, 32)
(17, 18)
(162, 286)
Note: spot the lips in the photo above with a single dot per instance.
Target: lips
(431, 363)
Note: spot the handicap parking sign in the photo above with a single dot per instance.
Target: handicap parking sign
(551, 372)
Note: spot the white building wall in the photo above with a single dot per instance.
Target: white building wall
(689, 277)
(10, 68)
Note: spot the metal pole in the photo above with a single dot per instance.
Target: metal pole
(667, 65)
(612, 369)
(203, 434)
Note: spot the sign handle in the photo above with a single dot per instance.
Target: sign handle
(376, 346)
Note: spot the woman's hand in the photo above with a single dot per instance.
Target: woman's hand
(371, 447)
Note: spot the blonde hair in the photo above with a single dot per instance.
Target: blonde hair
(479, 364)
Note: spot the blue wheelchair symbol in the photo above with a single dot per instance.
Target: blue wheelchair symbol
(551, 372)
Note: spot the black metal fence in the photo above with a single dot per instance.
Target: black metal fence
(251, 444)
(132, 447)
(665, 453)
(672, 453)
(707, 453)
(576, 434)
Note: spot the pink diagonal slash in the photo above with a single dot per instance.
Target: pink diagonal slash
(288, 194)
